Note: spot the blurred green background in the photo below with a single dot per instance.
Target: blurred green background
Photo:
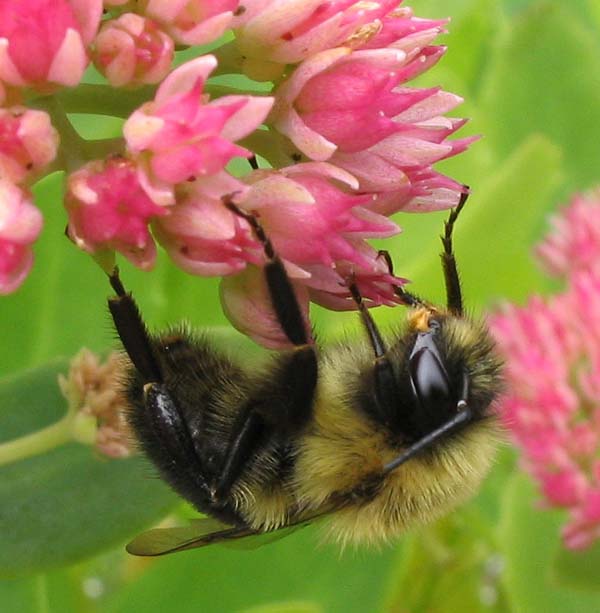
(530, 76)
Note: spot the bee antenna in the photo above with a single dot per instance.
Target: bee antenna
(461, 418)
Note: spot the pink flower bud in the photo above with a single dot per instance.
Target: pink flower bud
(192, 22)
(179, 136)
(246, 302)
(108, 210)
(43, 42)
(20, 224)
(132, 51)
(28, 142)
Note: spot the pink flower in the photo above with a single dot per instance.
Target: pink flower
(289, 31)
(201, 235)
(192, 22)
(352, 108)
(310, 219)
(43, 42)
(108, 210)
(319, 232)
(28, 142)
(132, 51)
(574, 243)
(180, 136)
(402, 30)
(552, 349)
(20, 224)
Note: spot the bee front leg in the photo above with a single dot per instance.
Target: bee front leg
(451, 278)
(383, 374)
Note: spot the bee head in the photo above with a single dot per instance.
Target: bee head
(445, 365)
(435, 394)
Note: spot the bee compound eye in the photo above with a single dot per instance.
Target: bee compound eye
(428, 376)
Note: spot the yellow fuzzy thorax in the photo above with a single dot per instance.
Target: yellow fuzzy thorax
(343, 447)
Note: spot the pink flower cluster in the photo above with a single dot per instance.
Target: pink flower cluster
(348, 142)
(552, 349)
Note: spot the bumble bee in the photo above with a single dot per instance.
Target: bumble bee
(372, 437)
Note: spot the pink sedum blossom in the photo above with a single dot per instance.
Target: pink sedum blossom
(402, 30)
(201, 235)
(109, 211)
(192, 22)
(133, 51)
(353, 109)
(552, 349)
(574, 243)
(43, 43)
(318, 229)
(309, 218)
(180, 136)
(20, 225)
(289, 31)
(28, 143)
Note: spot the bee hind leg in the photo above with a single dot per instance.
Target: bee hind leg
(132, 331)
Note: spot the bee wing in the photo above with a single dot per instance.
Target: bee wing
(202, 532)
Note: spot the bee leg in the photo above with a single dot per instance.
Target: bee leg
(168, 441)
(383, 375)
(453, 292)
(408, 299)
(281, 291)
(132, 331)
(283, 401)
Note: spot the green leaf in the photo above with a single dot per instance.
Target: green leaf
(530, 540)
(578, 569)
(23, 595)
(546, 79)
(297, 568)
(286, 607)
(68, 503)
(447, 566)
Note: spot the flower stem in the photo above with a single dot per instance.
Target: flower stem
(101, 100)
(37, 442)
